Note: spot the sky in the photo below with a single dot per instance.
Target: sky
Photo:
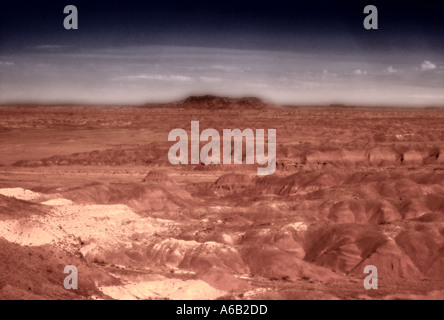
(285, 52)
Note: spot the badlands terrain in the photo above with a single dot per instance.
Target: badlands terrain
(91, 186)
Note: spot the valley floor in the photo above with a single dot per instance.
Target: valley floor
(92, 187)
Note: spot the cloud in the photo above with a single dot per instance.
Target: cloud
(210, 79)
(390, 69)
(51, 47)
(156, 77)
(229, 69)
(427, 65)
(326, 73)
(310, 75)
(6, 63)
(259, 85)
(359, 72)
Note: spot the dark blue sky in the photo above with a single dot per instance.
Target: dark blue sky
(278, 24)
(284, 51)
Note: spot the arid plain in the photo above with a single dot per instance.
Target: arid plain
(92, 186)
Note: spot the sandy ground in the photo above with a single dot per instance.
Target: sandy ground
(170, 289)
(69, 224)
(19, 193)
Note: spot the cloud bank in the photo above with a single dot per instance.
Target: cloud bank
(135, 75)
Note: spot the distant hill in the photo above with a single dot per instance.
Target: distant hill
(215, 102)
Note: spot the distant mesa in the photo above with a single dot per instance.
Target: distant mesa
(340, 106)
(215, 102)
(156, 177)
(233, 182)
(230, 179)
